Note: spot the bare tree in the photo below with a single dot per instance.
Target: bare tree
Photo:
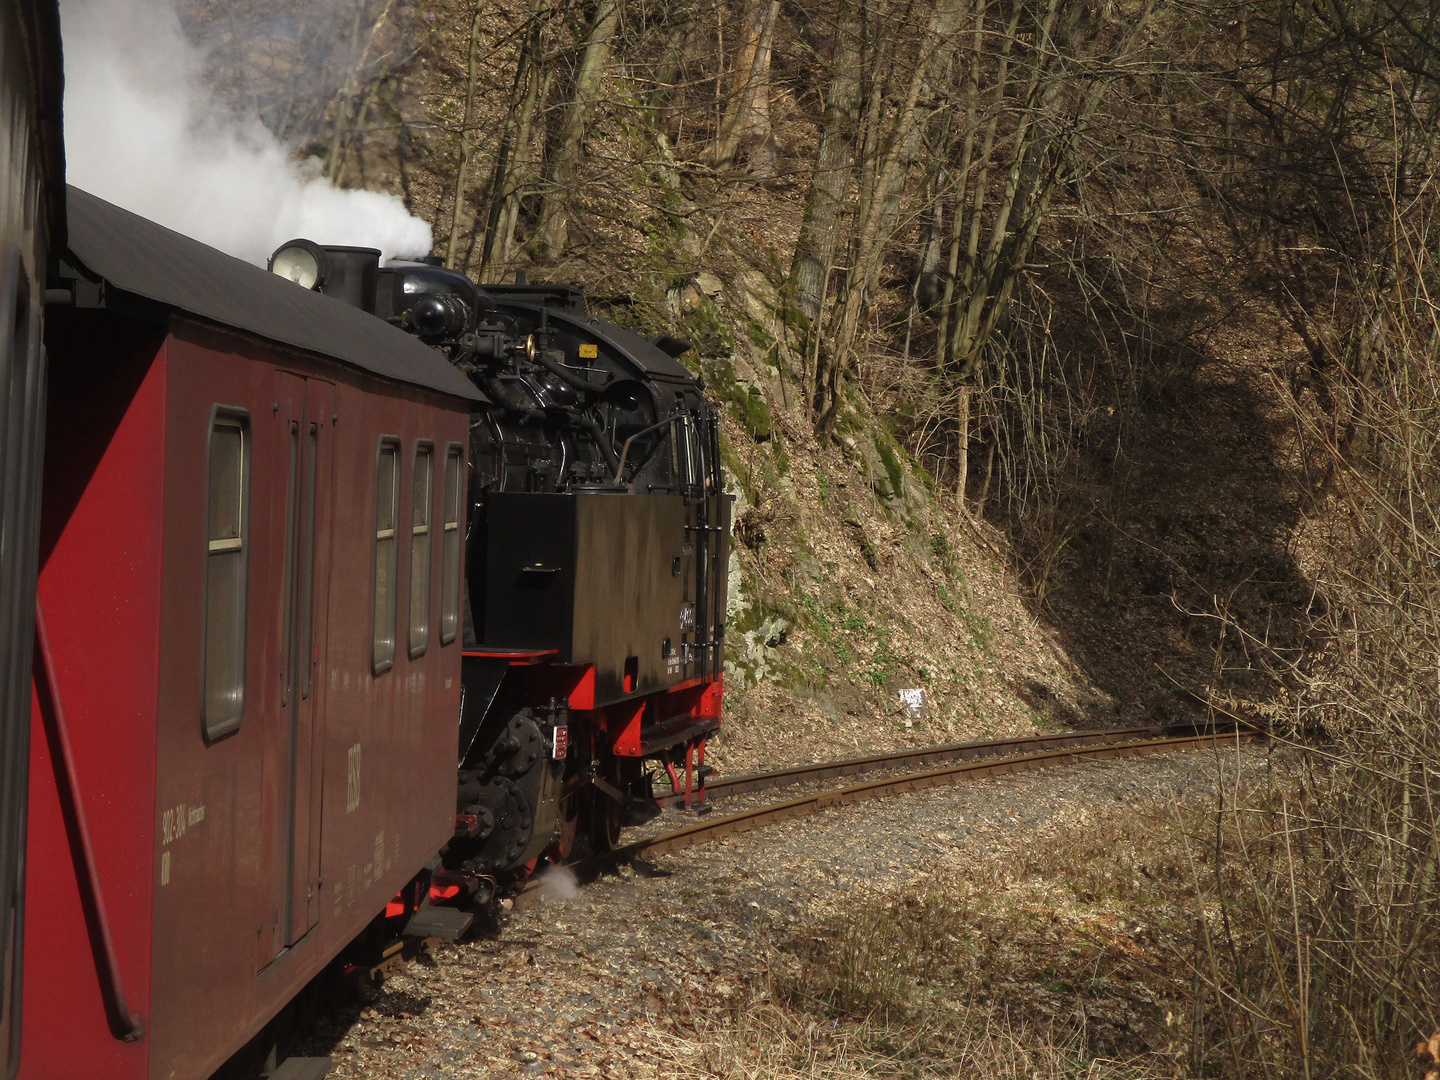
(887, 132)
(824, 201)
(1053, 68)
(467, 126)
(563, 164)
(370, 63)
(745, 128)
(515, 172)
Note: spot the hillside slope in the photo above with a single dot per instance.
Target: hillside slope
(1132, 487)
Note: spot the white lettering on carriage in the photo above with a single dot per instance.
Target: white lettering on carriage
(352, 780)
(176, 820)
(165, 868)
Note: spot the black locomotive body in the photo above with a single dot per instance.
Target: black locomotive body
(596, 560)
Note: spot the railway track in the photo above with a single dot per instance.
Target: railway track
(968, 761)
(745, 783)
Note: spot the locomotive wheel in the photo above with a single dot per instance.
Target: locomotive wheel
(598, 825)
(569, 826)
(606, 819)
(505, 804)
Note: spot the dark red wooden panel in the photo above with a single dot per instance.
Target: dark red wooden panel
(100, 592)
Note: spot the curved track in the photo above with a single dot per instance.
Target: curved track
(1044, 752)
(745, 783)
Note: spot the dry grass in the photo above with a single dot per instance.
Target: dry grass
(772, 1042)
(1323, 962)
(1071, 952)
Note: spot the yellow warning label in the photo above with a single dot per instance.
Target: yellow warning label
(589, 352)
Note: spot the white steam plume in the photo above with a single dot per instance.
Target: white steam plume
(559, 883)
(144, 132)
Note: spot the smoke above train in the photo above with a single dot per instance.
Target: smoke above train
(145, 132)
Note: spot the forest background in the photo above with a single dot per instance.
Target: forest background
(1078, 363)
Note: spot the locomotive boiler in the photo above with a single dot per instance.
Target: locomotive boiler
(596, 551)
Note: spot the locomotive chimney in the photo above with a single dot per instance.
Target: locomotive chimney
(353, 274)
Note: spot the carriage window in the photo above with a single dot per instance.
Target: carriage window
(387, 509)
(224, 698)
(450, 549)
(420, 552)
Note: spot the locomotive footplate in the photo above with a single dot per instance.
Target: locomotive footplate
(446, 923)
(679, 729)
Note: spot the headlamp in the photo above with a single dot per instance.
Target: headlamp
(301, 261)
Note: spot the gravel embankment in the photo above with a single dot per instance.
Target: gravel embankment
(589, 982)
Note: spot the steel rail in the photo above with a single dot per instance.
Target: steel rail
(744, 783)
(732, 824)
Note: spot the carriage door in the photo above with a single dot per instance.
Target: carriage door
(293, 743)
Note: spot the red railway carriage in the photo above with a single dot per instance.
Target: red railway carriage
(245, 702)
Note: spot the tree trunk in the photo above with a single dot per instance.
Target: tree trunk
(926, 288)
(819, 227)
(335, 159)
(342, 101)
(745, 130)
(1037, 158)
(972, 99)
(985, 486)
(564, 165)
(466, 125)
(962, 439)
(513, 174)
(964, 275)
(868, 247)
(941, 56)
(985, 300)
(357, 144)
(667, 100)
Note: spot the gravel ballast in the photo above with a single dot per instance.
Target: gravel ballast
(593, 981)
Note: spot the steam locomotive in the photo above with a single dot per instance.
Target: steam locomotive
(356, 592)
(596, 558)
